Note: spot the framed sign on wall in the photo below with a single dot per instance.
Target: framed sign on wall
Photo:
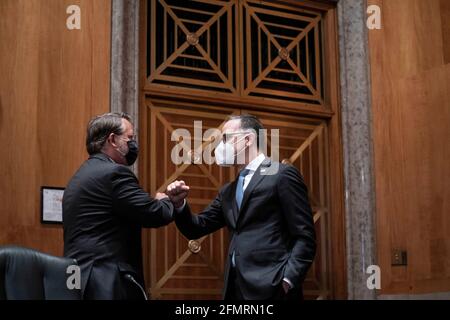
(51, 204)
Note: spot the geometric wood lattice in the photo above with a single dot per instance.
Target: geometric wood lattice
(282, 52)
(192, 44)
(252, 49)
(176, 272)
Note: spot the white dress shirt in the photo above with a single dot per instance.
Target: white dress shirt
(252, 167)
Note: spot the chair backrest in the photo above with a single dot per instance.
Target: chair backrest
(27, 274)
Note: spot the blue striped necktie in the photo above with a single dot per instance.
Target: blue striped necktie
(240, 187)
(239, 197)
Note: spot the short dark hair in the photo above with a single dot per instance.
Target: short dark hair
(100, 127)
(249, 121)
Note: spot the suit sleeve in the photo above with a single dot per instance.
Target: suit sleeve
(136, 205)
(206, 222)
(297, 211)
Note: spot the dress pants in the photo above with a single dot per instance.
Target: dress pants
(234, 293)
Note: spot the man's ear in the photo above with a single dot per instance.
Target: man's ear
(112, 139)
(251, 139)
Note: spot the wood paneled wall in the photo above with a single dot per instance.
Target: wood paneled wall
(52, 81)
(411, 133)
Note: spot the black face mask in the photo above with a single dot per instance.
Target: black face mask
(133, 151)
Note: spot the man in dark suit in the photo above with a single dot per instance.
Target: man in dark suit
(104, 209)
(268, 215)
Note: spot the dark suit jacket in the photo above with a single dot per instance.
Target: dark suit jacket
(104, 210)
(272, 235)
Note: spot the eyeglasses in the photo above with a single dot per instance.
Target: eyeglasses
(226, 136)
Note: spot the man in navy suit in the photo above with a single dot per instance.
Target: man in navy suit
(267, 212)
(104, 210)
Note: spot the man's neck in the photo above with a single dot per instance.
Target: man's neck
(250, 158)
(110, 154)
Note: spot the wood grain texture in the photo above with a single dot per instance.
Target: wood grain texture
(53, 81)
(411, 112)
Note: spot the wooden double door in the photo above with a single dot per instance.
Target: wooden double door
(203, 60)
(183, 269)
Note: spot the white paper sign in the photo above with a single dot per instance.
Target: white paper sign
(52, 205)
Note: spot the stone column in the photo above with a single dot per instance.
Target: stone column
(125, 59)
(357, 145)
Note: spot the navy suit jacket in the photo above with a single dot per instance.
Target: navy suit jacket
(104, 209)
(272, 234)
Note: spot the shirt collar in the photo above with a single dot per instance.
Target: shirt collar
(255, 163)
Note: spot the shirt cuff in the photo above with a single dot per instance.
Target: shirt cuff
(288, 282)
(178, 210)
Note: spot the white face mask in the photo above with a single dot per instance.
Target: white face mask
(225, 154)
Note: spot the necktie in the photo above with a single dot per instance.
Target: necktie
(239, 197)
(240, 187)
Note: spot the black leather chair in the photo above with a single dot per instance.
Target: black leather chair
(27, 274)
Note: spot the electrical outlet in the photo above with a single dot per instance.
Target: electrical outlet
(399, 257)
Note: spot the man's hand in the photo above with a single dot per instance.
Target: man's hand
(177, 192)
(160, 196)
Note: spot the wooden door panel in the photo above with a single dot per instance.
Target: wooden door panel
(281, 52)
(303, 143)
(236, 48)
(182, 269)
(192, 44)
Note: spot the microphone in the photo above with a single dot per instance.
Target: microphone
(129, 277)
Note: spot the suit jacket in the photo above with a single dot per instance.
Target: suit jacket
(272, 235)
(104, 210)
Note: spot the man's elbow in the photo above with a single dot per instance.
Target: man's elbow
(187, 232)
(160, 218)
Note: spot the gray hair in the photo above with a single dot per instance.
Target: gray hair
(100, 127)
